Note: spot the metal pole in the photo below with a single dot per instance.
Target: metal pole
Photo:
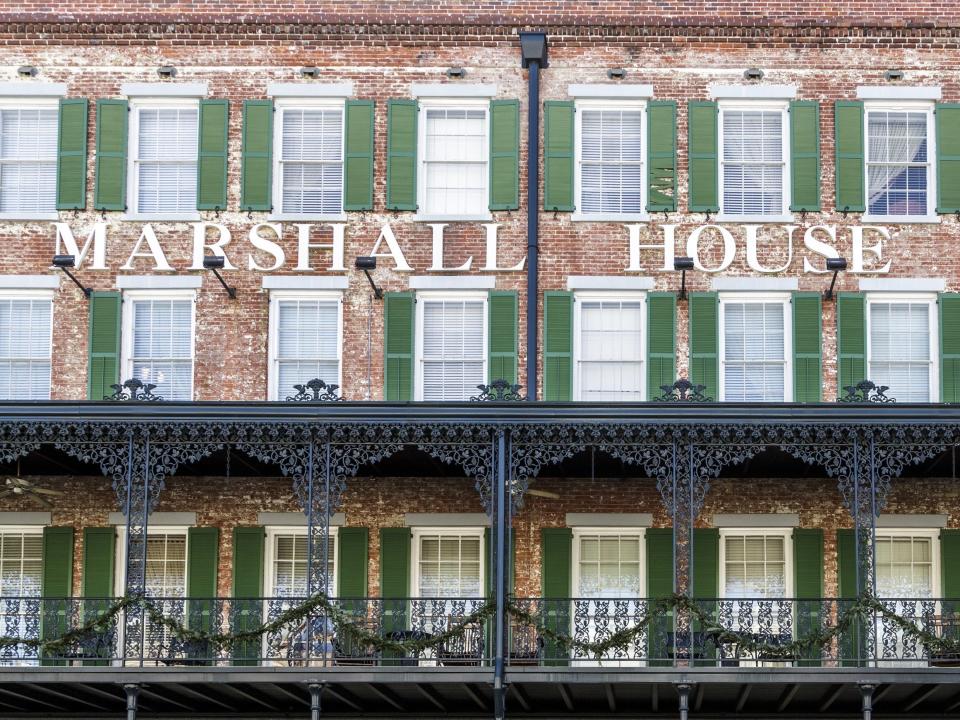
(855, 511)
(874, 513)
(132, 691)
(315, 691)
(327, 640)
(499, 687)
(533, 223)
(310, 552)
(867, 692)
(684, 690)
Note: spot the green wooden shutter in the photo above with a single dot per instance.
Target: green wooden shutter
(352, 562)
(557, 345)
(808, 585)
(848, 137)
(703, 168)
(706, 563)
(807, 379)
(851, 642)
(56, 584)
(97, 582)
(504, 154)
(949, 347)
(104, 344)
(256, 156)
(203, 558)
(399, 319)
(358, 155)
(805, 156)
(661, 342)
(248, 560)
(659, 542)
(488, 571)
(661, 156)
(395, 576)
(212, 155)
(503, 335)
(704, 310)
(72, 155)
(402, 154)
(851, 340)
(556, 564)
(950, 563)
(558, 130)
(110, 191)
(947, 116)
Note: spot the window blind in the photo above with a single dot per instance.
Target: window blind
(28, 160)
(611, 360)
(455, 162)
(163, 346)
(453, 348)
(900, 349)
(897, 163)
(290, 563)
(166, 160)
(25, 349)
(311, 161)
(904, 566)
(307, 343)
(611, 161)
(449, 566)
(755, 566)
(753, 162)
(754, 359)
(167, 565)
(21, 564)
(609, 566)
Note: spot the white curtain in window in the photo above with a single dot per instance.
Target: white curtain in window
(611, 360)
(166, 162)
(28, 160)
(21, 564)
(307, 343)
(900, 349)
(609, 566)
(311, 161)
(290, 564)
(453, 348)
(904, 566)
(754, 367)
(755, 566)
(455, 162)
(611, 161)
(897, 163)
(167, 565)
(449, 566)
(163, 346)
(753, 164)
(25, 349)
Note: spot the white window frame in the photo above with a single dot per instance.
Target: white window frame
(579, 532)
(626, 105)
(126, 327)
(785, 533)
(427, 296)
(625, 296)
(932, 317)
(273, 341)
(757, 105)
(36, 295)
(33, 103)
(418, 532)
(925, 106)
(449, 103)
(763, 297)
(270, 548)
(934, 535)
(281, 105)
(120, 564)
(25, 530)
(133, 135)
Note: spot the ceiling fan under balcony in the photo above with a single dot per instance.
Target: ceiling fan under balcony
(543, 493)
(18, 486)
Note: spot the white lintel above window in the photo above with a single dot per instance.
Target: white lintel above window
(752, 92)
(756, 520)
(298, 282)
(910, 285)
(748, 284)
(159, 282)
(893, 520)
(310, 90)
(295, 519)
(614, 92)
(455, 282)
(157, 90)
(608, 282)
(25, 518)
(32, 89)
(453, 90)
(899, 92)
(158, 519)
(618, 520)
(29, 282)
(432, 520)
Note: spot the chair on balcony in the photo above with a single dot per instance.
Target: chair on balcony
(348, 650)
(946, 627)
(463, 649)
(526, 645)
(731, 655)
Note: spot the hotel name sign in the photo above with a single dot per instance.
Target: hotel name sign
(767, 249)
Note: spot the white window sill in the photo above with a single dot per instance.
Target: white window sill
(902, 219)
(452, 218)
(750, 219)
(307, 217)
(23, 217)
(610, 217)
(162, 217)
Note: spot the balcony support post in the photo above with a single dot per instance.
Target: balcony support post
(133, 692)
(866, 692)
(683, 689)
(316, 506)
(316, 689)
(501, 513)
(137, 498)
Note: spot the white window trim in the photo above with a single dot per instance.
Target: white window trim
(418, 532)
(579, 532)
(471, 102)
(932, 318)
(624, 104)
(623, 296)
(269, 551)
(282, 104)
(763, 297)
(902, 106)
(126, 326)
(438, 295)
(31, 102)
(133, 127)
(120, 563)
(276, 296)
(934, 535)
(785, 533)
(785, 216)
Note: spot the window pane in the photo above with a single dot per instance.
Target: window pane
(611, 359)
(904, 566)
(167, 160)
(307, 343)
(25, 349)
(449, 566)
(900, 349)
(897, 168)
(166, 565)
(609, 566)
(753, 163)
(28, 160)
(754, 367)
(20, 564)
(312, 160)
(611, 155)
(453, 348)
(754, 566)
(455, 162)
(163, 346)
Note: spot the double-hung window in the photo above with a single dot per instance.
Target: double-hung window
(609, 347)
(755, 564)
(308, 178)
(454, 137)
(21, 563)
(305, 340)
(754, 177)
(287, 562)
(28, 159)
(611, 152)
(163, 158)
(755, 348)
(899, 168)
(907, 565)
(158, 341)
(25, 340)
(448, 563)
(608, 563)
(902, 345)
(452, 352)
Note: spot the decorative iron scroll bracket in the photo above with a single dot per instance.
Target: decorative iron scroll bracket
(499, 391)
(866, 392)
(133, 390)
(683, 391)
(315, 390)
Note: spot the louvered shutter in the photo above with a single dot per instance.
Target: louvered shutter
(661, 342)
(659, 543)
(948, 157)
(851, 643)
(402, 154)
(358, 155)
(950, 564)
(805, 156)
(453, 348)
(502, 341)
(557, 345)
(203, 557)
(398, 346)
(395, 576)
(352, 562)
(97, 588)
(56, 585)
(212, 155)
(504, 154)
(257, 156)
(104, 344)
(557, 562)
(110, 189)
(662, 155)
(702, 157)
(248, 560)
(72, 155)
(949, 347)
(808, 585)
(704, 358)
(807, 316)
(851, 341)
(558, 155)
(706, 581)
(848, 137)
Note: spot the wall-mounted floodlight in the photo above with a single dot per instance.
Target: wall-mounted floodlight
(753, 74)
(368, 263)
(893, 75)
(167, 71)
(309, 72)
(456, 72)
(65, 262)
(683, 264)
(216, 264)
(616, 73)
(27, 71)
(836, 265)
